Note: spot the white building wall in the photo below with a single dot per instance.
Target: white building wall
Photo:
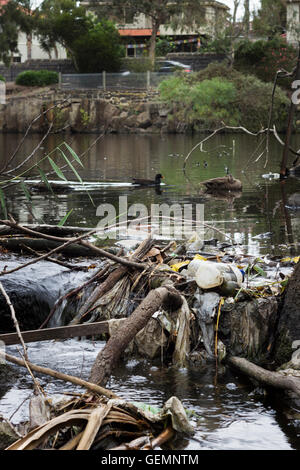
(36, 51)
(209, 26)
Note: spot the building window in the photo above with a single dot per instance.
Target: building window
(17, 59)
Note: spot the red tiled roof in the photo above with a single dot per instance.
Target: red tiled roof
(135, 32)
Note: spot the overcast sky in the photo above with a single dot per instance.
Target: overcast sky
(254, 4)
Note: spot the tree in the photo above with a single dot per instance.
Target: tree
(270, 19)
(93, 45)
(183, 13)
(247, 17)
(15, 16)
(99, 49)
(63, 22)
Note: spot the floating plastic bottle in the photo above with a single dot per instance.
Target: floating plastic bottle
(208, 274)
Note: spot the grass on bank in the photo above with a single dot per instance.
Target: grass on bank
(218, 95)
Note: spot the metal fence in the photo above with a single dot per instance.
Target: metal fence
(112, 81)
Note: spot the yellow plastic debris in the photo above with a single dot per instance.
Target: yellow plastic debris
(200, 257)
(177, 266)
(295, 260)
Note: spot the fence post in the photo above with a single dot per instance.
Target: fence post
(59, 80)
(104, 80)
(148, 79)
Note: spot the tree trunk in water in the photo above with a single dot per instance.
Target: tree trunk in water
(266, 377)
(288, 329)
(111, 353)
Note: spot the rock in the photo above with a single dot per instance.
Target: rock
(123, 115)
(131, 121)
(109, 112)
(143, 120)
(7, 435)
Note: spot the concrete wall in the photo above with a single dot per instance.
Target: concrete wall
(33, 48)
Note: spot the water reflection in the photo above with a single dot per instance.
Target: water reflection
(245, 217)
(225, 413)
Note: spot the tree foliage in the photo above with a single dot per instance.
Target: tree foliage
(99, 49)
(180, 14)
(61, 21)
(15, 16)
(265, 58)
(270, 19)
(93, 45)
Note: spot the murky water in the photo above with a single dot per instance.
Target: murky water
(228, 413)
(258, 218)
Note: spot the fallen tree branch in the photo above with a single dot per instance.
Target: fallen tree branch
(111, 280)
(14, 318)
(17, 244)
(56, 261)
(61, 376)
(17, 327)
(163, 437)
(64, 230)
(46, 255)
(240, 128)
(108, 357)
(265, 377)
(126, 262)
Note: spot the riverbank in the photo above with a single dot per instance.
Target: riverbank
(183, 103)
(83, 111)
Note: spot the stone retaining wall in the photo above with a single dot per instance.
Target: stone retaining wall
(96, 111)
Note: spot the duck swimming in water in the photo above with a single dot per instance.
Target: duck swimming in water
(224, 183)
(144, 182)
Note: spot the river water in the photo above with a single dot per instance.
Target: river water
(228, 412)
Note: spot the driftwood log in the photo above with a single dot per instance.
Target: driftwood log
(266, 377)
(94, 388)
(116, 345)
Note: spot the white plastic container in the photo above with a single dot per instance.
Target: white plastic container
(209, 274)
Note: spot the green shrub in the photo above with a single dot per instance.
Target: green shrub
(203, 104)
(37, 78)
(264, 58)
(219, 94)
(2, 78)
(163, 46)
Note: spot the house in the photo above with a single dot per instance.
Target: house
(29, 47)
(293, 21)
(136, 31)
